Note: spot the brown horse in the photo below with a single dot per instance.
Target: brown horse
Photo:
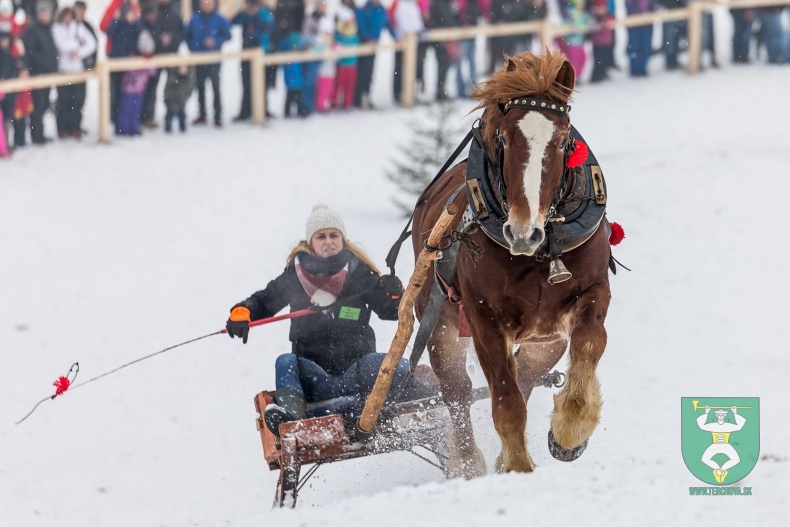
(506, 297)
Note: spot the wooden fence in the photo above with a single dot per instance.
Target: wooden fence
(545, 29)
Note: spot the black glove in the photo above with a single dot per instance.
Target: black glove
(391, 286)
(238, 325)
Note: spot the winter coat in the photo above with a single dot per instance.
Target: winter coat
(288, 17)
(444, 13)
(293, 73)
(9, 65)
(75, 44)
(42, 55)
(203, 26)
(371, 20)
(337, 339)
(134, 82)
(109, 18)
(168, 23)
(178, 88)
(90, 62)
(639, 6)
(256, 29)
(517, 11)
(122, 37)
(408, 18)
(468, 12)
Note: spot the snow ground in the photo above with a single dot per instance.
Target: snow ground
(113, 252)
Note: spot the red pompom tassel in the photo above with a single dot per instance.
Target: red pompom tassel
(61, 385)
(578, 156)
(617, 234)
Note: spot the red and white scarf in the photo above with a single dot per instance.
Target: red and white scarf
(322, 288)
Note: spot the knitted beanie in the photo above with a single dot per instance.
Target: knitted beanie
(323, 217)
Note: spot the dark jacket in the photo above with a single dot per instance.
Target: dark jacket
(339, 338)
(178, 88)
(90, 62)
(444, 13)
(516, 11)
(256, 29)
(288, 17)
(42, 55)
(122, 37)
(168, 22)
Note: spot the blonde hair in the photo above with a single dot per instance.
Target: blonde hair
(304, 247)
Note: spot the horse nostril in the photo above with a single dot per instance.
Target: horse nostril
(508, 231)
(536, 238)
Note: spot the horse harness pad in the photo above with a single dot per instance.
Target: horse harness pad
(576, 211)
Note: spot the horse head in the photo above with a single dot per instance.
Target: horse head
(526, 130)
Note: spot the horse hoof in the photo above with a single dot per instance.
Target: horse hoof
(565, 454)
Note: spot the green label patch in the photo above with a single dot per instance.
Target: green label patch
(350, 313)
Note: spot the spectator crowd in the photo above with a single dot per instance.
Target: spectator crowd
(38, 37)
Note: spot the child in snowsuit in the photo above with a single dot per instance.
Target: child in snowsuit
(325, 84)
(178, 89)
(133, 87)
(294, 76)
(602, 40)
(346, 78)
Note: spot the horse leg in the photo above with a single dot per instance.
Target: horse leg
(507, 404)
(577, 407)
(533, 360)
(448, 360)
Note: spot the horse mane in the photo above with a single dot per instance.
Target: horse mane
(523, 75)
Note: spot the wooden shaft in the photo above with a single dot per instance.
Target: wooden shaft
(375, 401)
(258, 87)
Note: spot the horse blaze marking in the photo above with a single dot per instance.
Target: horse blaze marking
(538, 131)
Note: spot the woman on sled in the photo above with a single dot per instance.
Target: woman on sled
(334, 350)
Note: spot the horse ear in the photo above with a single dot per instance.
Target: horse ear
(567, 76)
(510, 64)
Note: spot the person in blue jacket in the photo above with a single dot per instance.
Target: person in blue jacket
(293, 73)
(256, 23)
(371, 20)
(207, 31)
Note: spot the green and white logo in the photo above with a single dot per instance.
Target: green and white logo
(720, 437)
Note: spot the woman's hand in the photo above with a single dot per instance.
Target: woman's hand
(391, 286)
(238, 325)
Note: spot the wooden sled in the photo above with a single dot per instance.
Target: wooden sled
(417, 427)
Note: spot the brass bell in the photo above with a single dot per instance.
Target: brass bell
(558, 272)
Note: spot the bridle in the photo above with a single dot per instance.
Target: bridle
(500, 144)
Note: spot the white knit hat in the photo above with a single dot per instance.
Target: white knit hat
(323, 217)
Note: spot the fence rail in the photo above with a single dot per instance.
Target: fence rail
(545, 29)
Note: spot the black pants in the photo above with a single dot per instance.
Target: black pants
(148, 112)
(71, 99)
(397, 77)
(603, 60)
(365, 65)
(246, 98)
(174, 112)
(20, 131)
(116, 78)
(211, 72)
(294, 97)
(40, 106)
(443, 63)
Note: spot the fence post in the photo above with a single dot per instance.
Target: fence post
(695, 36)
(409, 69)
(547, 34)
(258, 87)
(103, 72)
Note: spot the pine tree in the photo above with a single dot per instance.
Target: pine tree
(430, 147)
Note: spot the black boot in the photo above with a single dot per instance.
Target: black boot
(289, 405)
